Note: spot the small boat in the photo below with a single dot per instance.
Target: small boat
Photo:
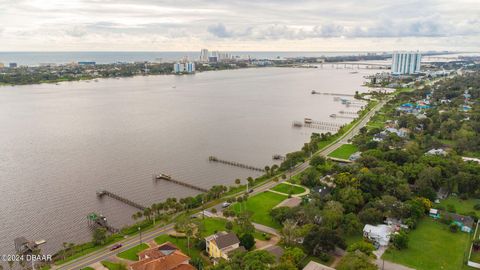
(333, 115)
(307, 120)
(163, 176)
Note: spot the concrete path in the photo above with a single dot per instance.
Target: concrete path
(266, 229)
(306, 192)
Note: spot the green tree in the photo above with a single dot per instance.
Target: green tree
(356, 261)
(247, 241)
(293, 256)
(362, 246)
(400, 240)
(321, 239)
(332, 214)
(289, 232)
(99, 236)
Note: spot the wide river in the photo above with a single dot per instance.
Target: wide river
(61, 143)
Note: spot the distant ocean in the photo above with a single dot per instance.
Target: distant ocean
(36, 58)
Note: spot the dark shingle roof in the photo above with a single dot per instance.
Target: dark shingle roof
(226, 240)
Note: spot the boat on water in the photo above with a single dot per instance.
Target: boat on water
(163, 176)
(353, 72)
(333, 115)
(307, 120)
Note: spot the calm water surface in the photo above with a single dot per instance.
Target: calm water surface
(60, 143)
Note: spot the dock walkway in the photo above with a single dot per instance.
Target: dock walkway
(234, 163)
(102, 192)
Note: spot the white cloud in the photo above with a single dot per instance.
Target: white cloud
(238, 25)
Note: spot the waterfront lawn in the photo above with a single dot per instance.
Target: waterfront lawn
(344, 151)
(131, 254)
(111, 266)
(432, 246)
(288, 189)
(260, 206)
(461, 206)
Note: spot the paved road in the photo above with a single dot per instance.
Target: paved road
(105, 253)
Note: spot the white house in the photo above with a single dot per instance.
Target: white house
(436, 152)
(379, 234)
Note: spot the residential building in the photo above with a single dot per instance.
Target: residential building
(464, 222)
(164, 257)
(219, 245)
(406, 63)
(379, 234)
(436, 152)
(187, 67)
(316, 266)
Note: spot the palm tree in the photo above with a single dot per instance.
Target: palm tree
(64, 251)
(267, 170)
(289, 231)
(237, 181)
(135, 216)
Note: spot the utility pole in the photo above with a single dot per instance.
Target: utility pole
(139, 229)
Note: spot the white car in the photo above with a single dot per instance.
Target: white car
(226, 204)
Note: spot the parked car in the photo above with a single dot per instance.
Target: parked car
(226, 204)
(117, 246)
(250, 191)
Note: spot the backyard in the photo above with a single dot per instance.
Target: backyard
(344, 151)
(432, 246)
(131, 254)
(288, 189)
(260, 206)
(461, 206)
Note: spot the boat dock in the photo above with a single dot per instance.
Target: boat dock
(331, 94)
(168, 178)
(95, 220)
(236, 164)
(102, 192)
(342, 116)
(347, 112)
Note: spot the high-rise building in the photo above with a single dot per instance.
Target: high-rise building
(204, 55)
(12, 65)
(187, 67)
(406, 63)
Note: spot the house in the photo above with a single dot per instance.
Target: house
(316, 266)
(402, 133)
(434, 213)
(436, 152)
(164, 257)
(219, 245)
(464, 222)
(379, 234)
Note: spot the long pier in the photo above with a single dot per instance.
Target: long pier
(323, 123)
(342, 116)
(347, 112)
(102, 192)
(298, 124)
(331, 94)
(236, 164)
(168, 178)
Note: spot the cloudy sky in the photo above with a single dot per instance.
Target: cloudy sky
(235, 25)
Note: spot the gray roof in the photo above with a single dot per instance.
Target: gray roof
(466, 220)
(224, 240)
(316, 266)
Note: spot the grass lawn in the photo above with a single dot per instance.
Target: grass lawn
(432, 246)
(213, 225)
(111, 265)
(288, 189)
(350, 239)
(461, 206)
(260, 205)
(131, 254)
(344, 151)
(87, 268)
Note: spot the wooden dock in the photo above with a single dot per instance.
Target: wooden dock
(236, 164)
(331, 94)
(102, 192)
(298, 124)
(168, 178)
(342, 116)
(347, 112)
(95, 220)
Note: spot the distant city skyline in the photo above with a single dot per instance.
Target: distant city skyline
(148, 25)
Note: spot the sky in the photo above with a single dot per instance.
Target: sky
(234, 25)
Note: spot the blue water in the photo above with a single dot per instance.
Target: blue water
(36, 58)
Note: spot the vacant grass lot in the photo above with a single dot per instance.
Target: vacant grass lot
(432, 246)
(461, 206)
(344, 151)
(111, 266)
(260, 206)
(288, 189)
(131, 254)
